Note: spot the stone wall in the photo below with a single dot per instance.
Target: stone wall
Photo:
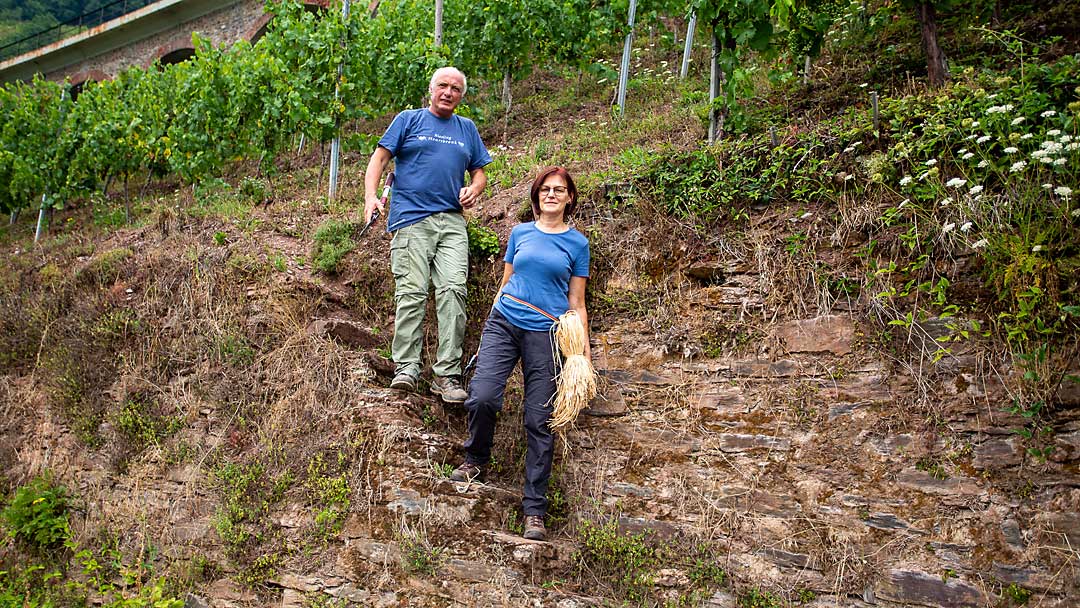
(223, 26)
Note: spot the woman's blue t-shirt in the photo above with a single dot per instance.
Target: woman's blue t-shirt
(431, 155)
(543, 264)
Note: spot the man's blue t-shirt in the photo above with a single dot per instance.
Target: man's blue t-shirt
(543, 264)
(432, 155)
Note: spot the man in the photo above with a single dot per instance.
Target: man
(433, 149)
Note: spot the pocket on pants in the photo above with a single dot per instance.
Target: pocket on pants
(399, 255)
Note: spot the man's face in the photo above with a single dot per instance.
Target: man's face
(446, 94)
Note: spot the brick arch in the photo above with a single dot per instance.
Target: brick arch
(176, 47)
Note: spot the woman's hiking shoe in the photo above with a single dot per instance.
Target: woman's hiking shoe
(534, 527)
(449, 388)
(403, 382)
(467, 472)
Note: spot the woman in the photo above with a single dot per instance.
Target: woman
(546, 267)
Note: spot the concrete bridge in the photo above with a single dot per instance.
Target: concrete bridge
(159, 32)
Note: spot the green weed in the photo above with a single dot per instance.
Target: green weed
(626, 560)
(37, 515)
(328, 493)
(332, 242)
(483, 242)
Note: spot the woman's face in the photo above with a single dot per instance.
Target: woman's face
(553, 196)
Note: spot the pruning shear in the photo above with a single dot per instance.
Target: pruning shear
(385, 195)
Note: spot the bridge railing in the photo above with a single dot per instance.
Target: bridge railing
(71, 27)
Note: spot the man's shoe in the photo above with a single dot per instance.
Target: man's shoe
(449, 388)
(468, 472)
(534, 527)
(403, 382)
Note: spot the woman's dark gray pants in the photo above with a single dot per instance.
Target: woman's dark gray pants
(501, 345)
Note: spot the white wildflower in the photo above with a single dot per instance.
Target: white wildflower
(966, 156)
(1036, 249)
(849, 149)
(944, 202)
(1026, 136)
(1051, 146)
(931, 162)
(1017, 120)
(965, 227)
(977, 198)
(1063, 191)
(961, 150)
(1018, 166)
(1075, 212)
(1039, 153)
(906, 180)
(975, 190)
(947, 228)
(970, 137)
(1053, 132)
(975, 124)
(1010, 150)
(979, 244)
(1007, 107)
(955, 182)
(995, 110)
(983, 139)
(984, 164)
(1060, 162)
(1048, 186)
(1048, 114)
(849, 177)
(1065, 138)
(1046, 160)
(1072, 147)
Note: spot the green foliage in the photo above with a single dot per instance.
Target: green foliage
(142, 426)
(254, 189)
(1017, 595)
(248, 491)
(332, 242)
(719, 183)
(418, 555)
(755, 598)
(626, 560)
(483, 241)
(38, 514)
(328, 493)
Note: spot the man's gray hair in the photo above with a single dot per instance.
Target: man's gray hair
(450, 70)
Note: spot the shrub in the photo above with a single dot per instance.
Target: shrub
(483, 242)
(38, 514)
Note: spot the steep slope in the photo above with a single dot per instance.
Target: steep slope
(217, 405)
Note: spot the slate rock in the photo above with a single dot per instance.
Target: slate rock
(997, 454)
(825, 334)
(889, 521)
(924, 589)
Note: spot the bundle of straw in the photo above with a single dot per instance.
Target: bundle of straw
(577, 380)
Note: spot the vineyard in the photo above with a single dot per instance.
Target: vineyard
(253, 102)
(839, 341)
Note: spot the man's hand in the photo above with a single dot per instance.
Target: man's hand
(371, 203)
(468, 197)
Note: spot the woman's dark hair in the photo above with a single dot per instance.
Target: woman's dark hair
(534, 193)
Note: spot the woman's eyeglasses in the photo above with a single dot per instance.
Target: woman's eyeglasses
(546, 190)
